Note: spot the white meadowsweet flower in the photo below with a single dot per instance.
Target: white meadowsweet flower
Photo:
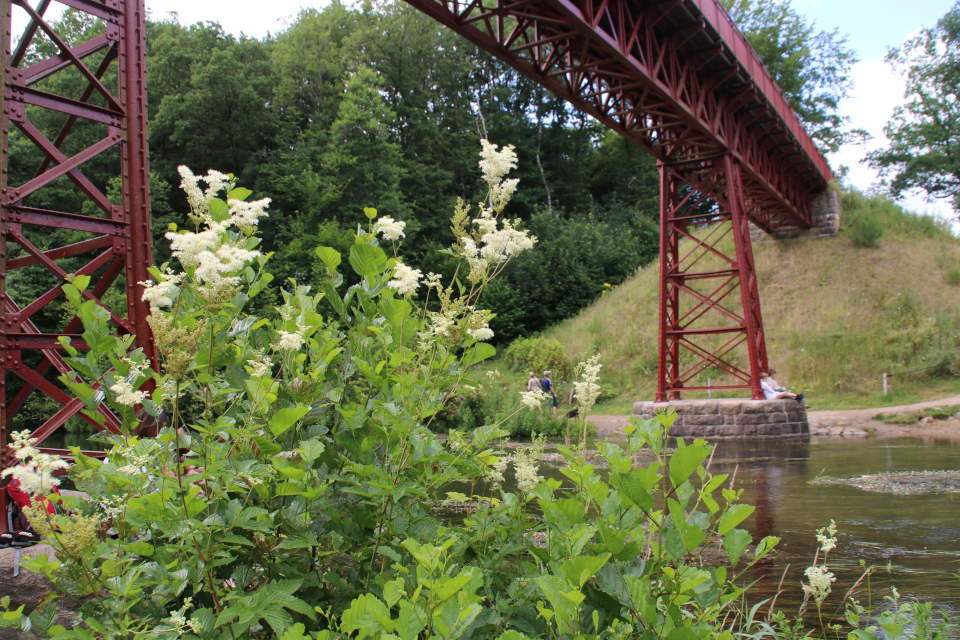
(587, 389)
(533, 399)
(819, 581)
(160, 294)
(497, 469)
(507, 242)
(290, 341)
(481, 334)
(389, 228)
(126, 394)
(22, 444)
(485, 222)
(246, 215)
(189, 185)
(405, 280)
(827, 537)
(261, 367)
(36, 476)
(216, 182)
(496, 164)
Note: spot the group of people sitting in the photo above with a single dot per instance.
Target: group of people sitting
(772, 389)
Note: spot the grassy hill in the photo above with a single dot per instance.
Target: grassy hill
(884, 296)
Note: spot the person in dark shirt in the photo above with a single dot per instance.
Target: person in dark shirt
(547, 387)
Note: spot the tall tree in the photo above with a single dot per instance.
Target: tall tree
(924, 133)
(811, 66)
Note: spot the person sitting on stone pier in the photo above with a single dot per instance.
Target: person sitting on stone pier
(771, 392)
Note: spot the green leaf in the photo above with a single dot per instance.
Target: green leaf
(219, 210)
(685, 461)
(286, 418)
(239, 194)
(330, 257)
(476, 353)
(367, 260)
(140, 548)
(735, 542)
(734, 515)
(370, 212)
(267, 447)
(579, 570)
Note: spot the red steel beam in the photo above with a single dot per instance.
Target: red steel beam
(116, 239)
(626, 64)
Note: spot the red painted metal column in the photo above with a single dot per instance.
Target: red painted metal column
(710, 322)
(749, 291)
(136, 172)
(60, 134)
(5, 52)
(668, 360)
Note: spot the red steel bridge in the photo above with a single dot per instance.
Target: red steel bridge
(675, 77)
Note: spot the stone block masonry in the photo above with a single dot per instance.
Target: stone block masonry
(825, 210)
(732, 418)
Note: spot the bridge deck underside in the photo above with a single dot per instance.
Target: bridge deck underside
(663, 75)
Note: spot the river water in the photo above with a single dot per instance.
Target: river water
(914, 540)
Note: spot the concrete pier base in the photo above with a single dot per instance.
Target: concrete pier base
(732, 418)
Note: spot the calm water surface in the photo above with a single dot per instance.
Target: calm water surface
(917, 537)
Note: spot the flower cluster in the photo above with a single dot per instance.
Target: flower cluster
(587, 389)
(35, 474)
(389, 228)
(533, 399)
(497, 469)
(123, 389)
(211, 250)
(827, 537)
(483, 241)
(405, 280)
(819, 580)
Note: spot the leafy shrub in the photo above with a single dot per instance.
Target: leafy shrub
(539, 355)
(866, 232)
(952, 277)
(502, 406)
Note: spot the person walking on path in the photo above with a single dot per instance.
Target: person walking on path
(547, 387)
(532, 385)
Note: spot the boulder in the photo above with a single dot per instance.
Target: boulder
(28, 588)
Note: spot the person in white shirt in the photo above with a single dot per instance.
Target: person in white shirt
(770, 393)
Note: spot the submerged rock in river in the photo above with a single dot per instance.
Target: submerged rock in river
(901, 482)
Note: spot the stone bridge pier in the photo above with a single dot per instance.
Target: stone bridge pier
(732, 418)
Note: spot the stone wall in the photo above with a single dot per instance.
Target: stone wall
(732, 418)
(825, 211)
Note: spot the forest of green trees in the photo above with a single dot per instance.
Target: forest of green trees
(380, 106)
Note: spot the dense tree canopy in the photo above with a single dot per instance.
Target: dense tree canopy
(924, 133)
(377, 105)
(811, 66)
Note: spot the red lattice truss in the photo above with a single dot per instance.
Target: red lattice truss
(117, 239)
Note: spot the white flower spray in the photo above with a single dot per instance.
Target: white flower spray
(35, 473)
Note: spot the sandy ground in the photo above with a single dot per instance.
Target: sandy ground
(845, 423)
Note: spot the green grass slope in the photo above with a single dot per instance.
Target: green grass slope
(884, 296)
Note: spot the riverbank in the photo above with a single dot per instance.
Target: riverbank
(844, 423)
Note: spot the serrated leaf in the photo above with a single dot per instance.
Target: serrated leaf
(735, 542)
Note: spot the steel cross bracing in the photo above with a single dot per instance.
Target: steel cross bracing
(107, 240)
(709, 304)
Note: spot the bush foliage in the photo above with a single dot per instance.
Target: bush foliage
(538, 354)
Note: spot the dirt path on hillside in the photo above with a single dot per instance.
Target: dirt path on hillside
(844, 423)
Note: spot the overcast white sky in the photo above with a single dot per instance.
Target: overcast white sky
(871, 25)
